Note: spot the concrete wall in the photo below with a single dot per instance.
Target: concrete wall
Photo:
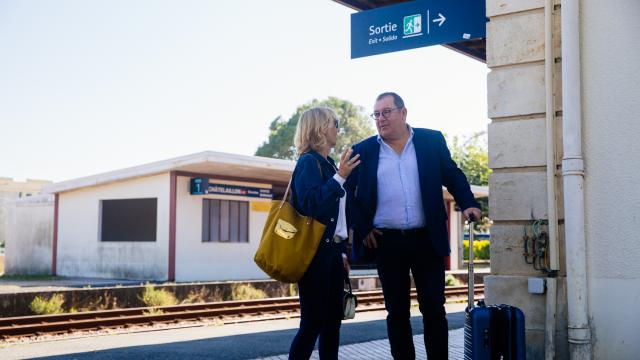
(11, 190)
(516, 106)
(611, 108)
(80, 251)
(29, 235)
(198, 260)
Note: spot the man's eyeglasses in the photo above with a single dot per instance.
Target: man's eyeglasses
(384, 113)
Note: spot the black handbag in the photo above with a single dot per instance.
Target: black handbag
(349, 301)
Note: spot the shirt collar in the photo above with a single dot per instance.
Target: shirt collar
(381, 141)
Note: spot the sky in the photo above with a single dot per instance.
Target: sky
(93, 86)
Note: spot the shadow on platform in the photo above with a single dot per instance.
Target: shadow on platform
(249, 346)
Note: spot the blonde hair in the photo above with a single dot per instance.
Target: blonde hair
(311, 129)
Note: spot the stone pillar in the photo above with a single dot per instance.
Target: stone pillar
(516, 106)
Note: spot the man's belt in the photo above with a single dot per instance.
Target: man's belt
(405, 232)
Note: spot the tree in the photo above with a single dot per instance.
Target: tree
(471, 155)
(355, 126)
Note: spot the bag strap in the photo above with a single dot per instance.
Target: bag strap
(284, 198)
(287, 193)
(348, 281)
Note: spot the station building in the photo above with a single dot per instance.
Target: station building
(154, 221)
(144, 223)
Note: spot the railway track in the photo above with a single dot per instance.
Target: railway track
(222, 312)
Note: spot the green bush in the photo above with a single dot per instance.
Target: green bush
(53, 305)
(157, 297)
(450, 280)
(480, 249)
(246, 292)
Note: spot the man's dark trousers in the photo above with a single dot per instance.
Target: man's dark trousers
(398, 253)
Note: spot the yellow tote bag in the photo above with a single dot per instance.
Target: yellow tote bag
(289, 242)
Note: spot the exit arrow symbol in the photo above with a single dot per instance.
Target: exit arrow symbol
(440, 20)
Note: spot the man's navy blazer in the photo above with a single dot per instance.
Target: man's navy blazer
(435, 169)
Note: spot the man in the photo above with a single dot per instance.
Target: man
(396, 212)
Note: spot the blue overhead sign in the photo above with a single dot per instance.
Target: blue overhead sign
(416, 24)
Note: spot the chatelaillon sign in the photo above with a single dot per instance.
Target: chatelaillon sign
(202, 186)
(416, 24)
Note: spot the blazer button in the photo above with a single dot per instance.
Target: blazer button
(332, 219)
(326, 240)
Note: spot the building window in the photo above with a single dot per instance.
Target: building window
(225, 220)
(128, 219)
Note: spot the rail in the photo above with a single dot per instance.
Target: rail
(225, 312)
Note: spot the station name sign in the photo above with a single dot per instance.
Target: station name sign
(416, 24)
(202, 186)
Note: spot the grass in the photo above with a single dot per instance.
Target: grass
(157, 297)
(293, 290)
(99, 304)
(153, 311)
(450, 280)
(52, 305)
(203, 295)
(246, 292)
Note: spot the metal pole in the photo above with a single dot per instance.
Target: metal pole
(470, 275)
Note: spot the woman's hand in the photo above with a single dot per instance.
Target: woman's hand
(347, 164)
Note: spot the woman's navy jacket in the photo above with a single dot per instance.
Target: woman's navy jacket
(315, 193)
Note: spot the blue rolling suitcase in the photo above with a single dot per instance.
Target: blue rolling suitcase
(494, 331)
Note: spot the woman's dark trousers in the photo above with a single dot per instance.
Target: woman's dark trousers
(320, 291)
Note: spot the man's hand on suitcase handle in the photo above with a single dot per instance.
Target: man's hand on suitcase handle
(472, 214)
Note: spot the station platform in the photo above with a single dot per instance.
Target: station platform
(364, 337)
(379, 349)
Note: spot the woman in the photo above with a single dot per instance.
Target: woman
(317, 191)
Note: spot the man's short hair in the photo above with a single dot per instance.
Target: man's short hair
(397, 100)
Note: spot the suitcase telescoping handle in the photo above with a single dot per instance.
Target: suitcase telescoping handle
(470, 279)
